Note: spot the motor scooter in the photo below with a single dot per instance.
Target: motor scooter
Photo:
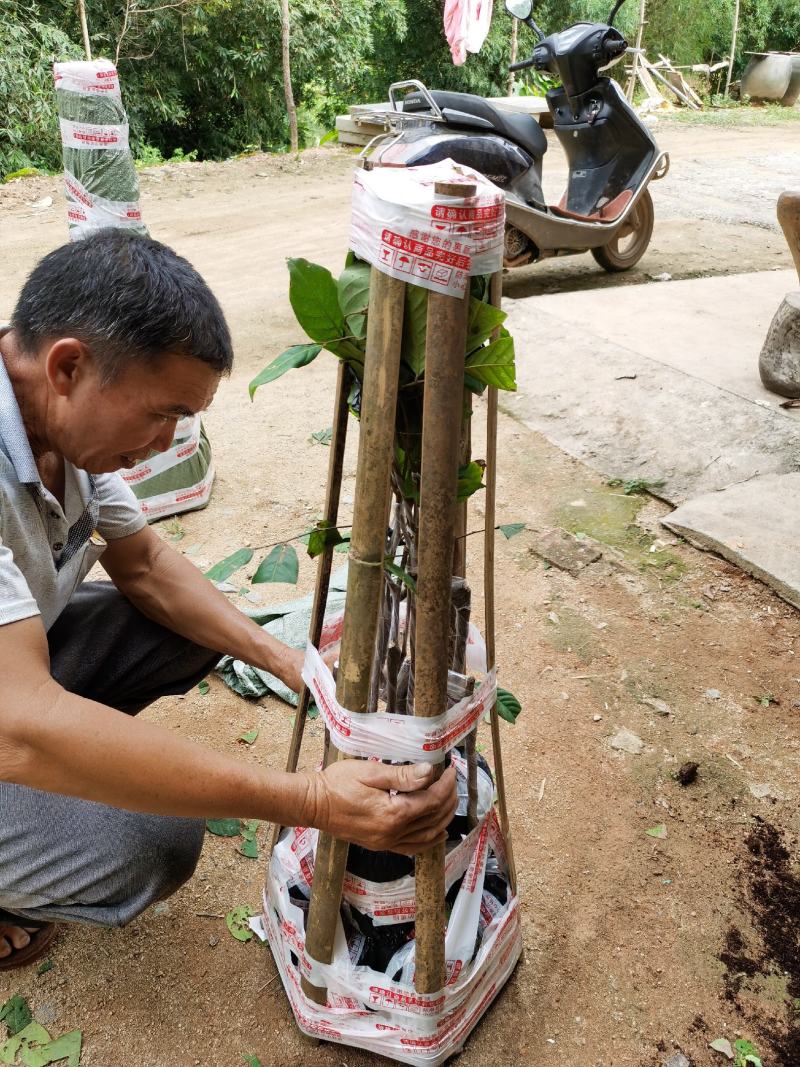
(607, 208)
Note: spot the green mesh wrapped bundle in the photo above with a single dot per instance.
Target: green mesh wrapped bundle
(103, 190)
(99, 177)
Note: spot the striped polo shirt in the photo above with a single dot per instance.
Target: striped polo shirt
(46, 550)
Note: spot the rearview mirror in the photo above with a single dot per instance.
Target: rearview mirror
(520, 9)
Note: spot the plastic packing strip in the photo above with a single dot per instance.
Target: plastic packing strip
(380, 1010)
(403, 228)
(394, 737)
(372, 1009)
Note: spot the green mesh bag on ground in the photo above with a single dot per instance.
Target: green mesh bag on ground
(102, 190)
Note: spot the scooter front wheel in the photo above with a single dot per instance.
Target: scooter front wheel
(631, 240)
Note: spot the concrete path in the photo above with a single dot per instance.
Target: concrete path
(660, 383)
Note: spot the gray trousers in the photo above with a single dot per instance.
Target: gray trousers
(76, 860)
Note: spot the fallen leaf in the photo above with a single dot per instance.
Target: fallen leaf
(248, 737)
(223, 827)
(32, 1034)
(659, 831)
(67, 1047)
(251, 1061)
(236, 921)
(16, 1014)
(203, 687)
(511, 529)
(249, 849)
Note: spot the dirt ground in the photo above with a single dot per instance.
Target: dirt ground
(635, 946)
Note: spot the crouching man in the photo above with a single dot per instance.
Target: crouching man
(113, 340)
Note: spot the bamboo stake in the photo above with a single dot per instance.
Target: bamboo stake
(513, 57)
(364, 580)
(636, 54)
(335, 466)
(84, 29)
(441, 424)
(733, 48)
(488, 580)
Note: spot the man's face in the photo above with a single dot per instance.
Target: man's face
(103, 427)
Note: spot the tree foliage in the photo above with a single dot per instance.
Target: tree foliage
(205, 75)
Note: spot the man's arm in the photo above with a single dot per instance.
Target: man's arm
(170, 590)
(56, 741)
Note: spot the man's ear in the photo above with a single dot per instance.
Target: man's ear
(66, 362)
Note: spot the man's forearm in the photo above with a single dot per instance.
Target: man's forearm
(173, 592)
(62, 743)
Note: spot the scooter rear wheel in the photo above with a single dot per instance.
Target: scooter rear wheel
(630, 243)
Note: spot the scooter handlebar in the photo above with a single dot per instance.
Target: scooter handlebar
(523, 64)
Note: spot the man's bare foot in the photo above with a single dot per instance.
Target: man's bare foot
(14, 937)
(24, 943)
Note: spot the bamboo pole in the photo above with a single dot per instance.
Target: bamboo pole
(513, 57)
(441, 432)
(639, 35)
(460, 569)
(733, 47)
(364, 579)
(488, 580)
(331, 514)
(84, 29)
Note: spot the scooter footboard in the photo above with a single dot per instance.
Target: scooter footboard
(608, 149)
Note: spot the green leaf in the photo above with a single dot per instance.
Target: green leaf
(322, 437)
(479, 388)
(397, 572)
(23, 1042)
(296, 356)
(236, 921)
(484, 319)
(659, 831)
(470, 480)
(250, 829)
(248, 737)
(415, 328)
(511, 529)
(250, 849)
(315, 300)
(494, 364)
(16, 1014)
(321, 536)
(353, 293)
(203, 687)
(508, 707)
(43, 968)
(746, 1054)
(223, 827)
(313, 711)
(67, 1047)
(331, 135)
(221, 571)
(281, 565)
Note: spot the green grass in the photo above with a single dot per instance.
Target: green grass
(733, 116)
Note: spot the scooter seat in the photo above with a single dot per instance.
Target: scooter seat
(523, 130)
